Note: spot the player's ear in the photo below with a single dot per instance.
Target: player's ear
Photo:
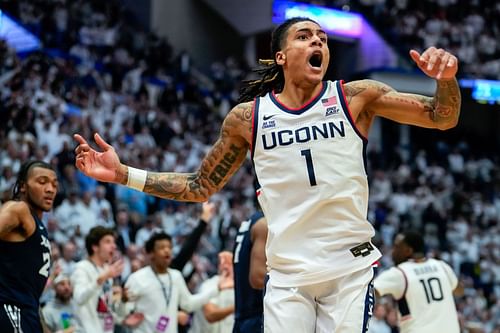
(22, 187)
(280, 58)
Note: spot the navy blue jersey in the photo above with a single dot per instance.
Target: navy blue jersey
(24, 269)
(248, 301)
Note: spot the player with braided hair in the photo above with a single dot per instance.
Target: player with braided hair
(307, 139)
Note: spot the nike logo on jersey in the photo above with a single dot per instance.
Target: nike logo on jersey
(268, 117)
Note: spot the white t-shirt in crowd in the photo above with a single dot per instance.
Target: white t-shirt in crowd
(159, 296)
(223, 299)
(91, 300)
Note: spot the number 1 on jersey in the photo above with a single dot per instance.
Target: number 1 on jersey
(310, 167)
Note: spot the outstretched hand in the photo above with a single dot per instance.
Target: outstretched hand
(103, 166)
(436, 63)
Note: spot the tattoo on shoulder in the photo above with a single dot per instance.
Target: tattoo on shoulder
(357, 87)
(241, 114)
(353, 89)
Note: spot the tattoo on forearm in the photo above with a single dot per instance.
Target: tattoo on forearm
(227, 154)
(447, 101)
(222, 168)
(168, 185)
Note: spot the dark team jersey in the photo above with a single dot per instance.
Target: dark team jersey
(24, 268)
(248, 301)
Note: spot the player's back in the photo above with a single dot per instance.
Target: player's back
(428, 304)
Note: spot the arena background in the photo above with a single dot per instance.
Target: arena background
(156, 78)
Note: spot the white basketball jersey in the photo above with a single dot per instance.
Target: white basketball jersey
(310, 164)
(424, 292)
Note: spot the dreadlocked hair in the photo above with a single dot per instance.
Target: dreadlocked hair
(22, 175)
(271, 74)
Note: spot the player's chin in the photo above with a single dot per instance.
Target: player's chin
(314, 78)
(46, 206)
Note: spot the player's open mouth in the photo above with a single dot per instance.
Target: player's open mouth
(316, 59)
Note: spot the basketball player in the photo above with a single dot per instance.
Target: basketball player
(423, 287)
(249, 261)
(307, 139)
(25, 248)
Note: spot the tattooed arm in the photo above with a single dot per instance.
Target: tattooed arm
(222, 161)
(371, 98)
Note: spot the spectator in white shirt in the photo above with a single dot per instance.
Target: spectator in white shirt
(217, 315)
(158, 291)
(98, 302)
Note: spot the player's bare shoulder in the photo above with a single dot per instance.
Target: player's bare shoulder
(238, 121)
(13, 214)
(366, 90)
(15, 207)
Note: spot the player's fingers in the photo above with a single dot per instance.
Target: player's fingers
(415, 56)
(81, 149)
(452, 61)
(80, 139)
(426, 55)
(435, 59)
(80, 163)
(442, 66)
(101, 143)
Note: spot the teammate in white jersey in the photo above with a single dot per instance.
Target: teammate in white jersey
(423, 288)
(311, 169)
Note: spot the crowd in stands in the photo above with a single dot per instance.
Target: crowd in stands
(98, 72)
(468, 29)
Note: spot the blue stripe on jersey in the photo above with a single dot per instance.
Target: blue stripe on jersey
(304, 107)
(347, 114)
(369, 304)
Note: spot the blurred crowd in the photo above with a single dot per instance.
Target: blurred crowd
(101, 72)
(468, 29)
(451, 193)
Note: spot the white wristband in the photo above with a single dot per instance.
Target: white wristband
(136, 178)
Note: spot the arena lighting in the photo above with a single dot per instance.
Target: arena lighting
(16, 35)
(483, 91)
(335, 22)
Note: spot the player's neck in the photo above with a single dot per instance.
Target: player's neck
(33, 210)
(295, 96)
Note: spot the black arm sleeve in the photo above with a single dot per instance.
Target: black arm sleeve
(189, 246)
